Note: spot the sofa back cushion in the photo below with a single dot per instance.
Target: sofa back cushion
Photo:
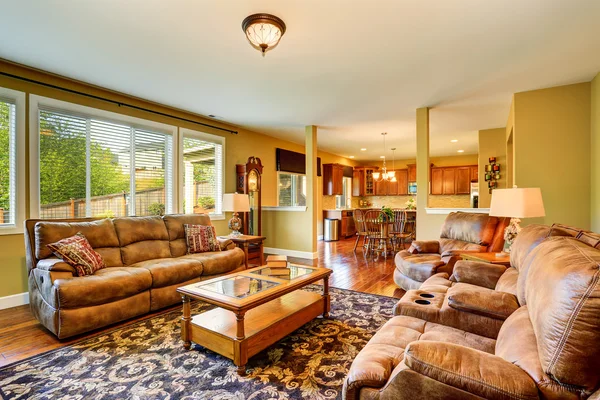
(101, 235)
(455, 244)
(563, 297)
(142, 238)
(527, 240)
(174, 224)
(469, 227)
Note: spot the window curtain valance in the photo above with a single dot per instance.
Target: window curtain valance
(291, 161)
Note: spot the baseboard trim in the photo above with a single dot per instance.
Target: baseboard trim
(320, 237)
(14, 300)
(291, 253)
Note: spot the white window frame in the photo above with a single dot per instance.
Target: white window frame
(207, 137)
(19, 99)
(296, 208)
(36, 101)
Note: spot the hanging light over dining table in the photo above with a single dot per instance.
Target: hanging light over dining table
(263, 31)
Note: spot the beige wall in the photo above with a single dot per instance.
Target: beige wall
(552, 150)
(492, 143)
(238, 148)
(595, 156)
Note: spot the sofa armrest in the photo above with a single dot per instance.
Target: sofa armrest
(226, 244)
(486, 302)
(55, 265)
(458, 252)
(471, 370)
(424, 246)
(478, 273)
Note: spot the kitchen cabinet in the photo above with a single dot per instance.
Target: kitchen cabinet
(412, 172)
(437, 179)
(333, 178)
(381, 187)
(449, 181)
(463, 180)
(369, 182)
(346, 226)
(358, 182)
(389, 188)
(402, 186)
(474, 173)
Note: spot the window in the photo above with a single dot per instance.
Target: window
(12, 174)
(91, 166)
(292, 189)
(203, 183)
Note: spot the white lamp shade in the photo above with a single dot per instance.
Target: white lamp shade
(236, 202)
(517, 203)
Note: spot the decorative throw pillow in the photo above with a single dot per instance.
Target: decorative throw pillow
(201, 238)
(77, 251)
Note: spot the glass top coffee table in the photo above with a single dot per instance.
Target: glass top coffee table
(255, 308)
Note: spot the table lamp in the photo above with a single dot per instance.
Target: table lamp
(237, 203)
(516, 203)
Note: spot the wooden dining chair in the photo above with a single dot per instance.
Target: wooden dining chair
(377, 242)
(399, 233)
(359, 224)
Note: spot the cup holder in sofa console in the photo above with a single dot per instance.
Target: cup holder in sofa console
(424, 302)
(427, 295)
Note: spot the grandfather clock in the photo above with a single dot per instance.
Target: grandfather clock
(249, 182)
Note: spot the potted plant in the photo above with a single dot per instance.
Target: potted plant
(411, 204)
(388, 214)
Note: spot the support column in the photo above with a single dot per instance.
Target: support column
(423, 169)
(310, 132)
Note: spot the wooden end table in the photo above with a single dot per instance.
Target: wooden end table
(492, 258)
(255, 308)
(252, 246)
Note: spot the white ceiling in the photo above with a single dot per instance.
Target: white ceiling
(353, 68)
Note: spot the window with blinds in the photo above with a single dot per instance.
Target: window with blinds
(8, 163)
(90, 167)
(202, 175)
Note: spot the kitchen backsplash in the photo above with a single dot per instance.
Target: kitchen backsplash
(450, 201)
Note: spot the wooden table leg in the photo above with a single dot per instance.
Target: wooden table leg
(240, 358)
(262, 253)
(326, 297)
(186, 319)
(245, 248)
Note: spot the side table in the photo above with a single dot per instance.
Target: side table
(492, 258)
(252, 246)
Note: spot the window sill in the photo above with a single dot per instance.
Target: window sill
(11, 230)
(445, 211)
(216, 217)
(284, 208)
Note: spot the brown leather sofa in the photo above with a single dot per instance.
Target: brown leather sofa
(461, 233)
(549, 348)
(146, 262)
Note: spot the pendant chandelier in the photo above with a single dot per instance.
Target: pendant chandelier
(263, 31)
(385, 175)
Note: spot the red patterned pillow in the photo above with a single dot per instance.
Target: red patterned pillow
(77, 251)
(201, 238)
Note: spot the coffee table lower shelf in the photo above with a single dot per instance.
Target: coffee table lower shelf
(219, 329)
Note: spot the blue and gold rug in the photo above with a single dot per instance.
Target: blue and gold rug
(146, 360)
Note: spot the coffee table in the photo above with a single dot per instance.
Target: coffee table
(255, 309)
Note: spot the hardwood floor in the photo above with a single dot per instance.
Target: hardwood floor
(21, 336)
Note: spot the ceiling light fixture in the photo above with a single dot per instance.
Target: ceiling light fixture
(385, 174)
(263, 31)
(363, 149)
(454, 140)
(460, 151)
(350, 156)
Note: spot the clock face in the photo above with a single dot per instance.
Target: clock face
(253, 181)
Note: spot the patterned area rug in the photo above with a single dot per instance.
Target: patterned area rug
(146, 360)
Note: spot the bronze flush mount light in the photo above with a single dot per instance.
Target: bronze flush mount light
(263, 31)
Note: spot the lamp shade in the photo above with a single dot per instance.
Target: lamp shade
(236, 202)
(517, 203)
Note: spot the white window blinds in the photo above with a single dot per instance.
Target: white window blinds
(202, 176)
(96, 168)
(8, 163)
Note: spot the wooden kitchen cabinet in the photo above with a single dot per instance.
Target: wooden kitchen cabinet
(381, 187)
(402, 186)
(369, 182)
(449, 181)
(333, 178)
(346, 226)
(437, 181)
(412, 172)
(463, 180)
(358, 182)
(474, 173)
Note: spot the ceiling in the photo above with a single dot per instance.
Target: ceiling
(355, 69)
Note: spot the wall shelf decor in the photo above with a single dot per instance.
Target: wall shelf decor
(492, 174)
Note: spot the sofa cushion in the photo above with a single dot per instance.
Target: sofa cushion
(528, 239)
(170, 271)
(101, 235)
(420, 267)
(448, 245)
(218, 262)
(106, 285)
(142, 238)
(469, 227)
(201, 238)
(174, 224)
(590, 238)
(78, 253)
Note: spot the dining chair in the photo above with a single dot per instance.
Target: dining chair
(374, 226)
(399, 233)
(359, 224)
